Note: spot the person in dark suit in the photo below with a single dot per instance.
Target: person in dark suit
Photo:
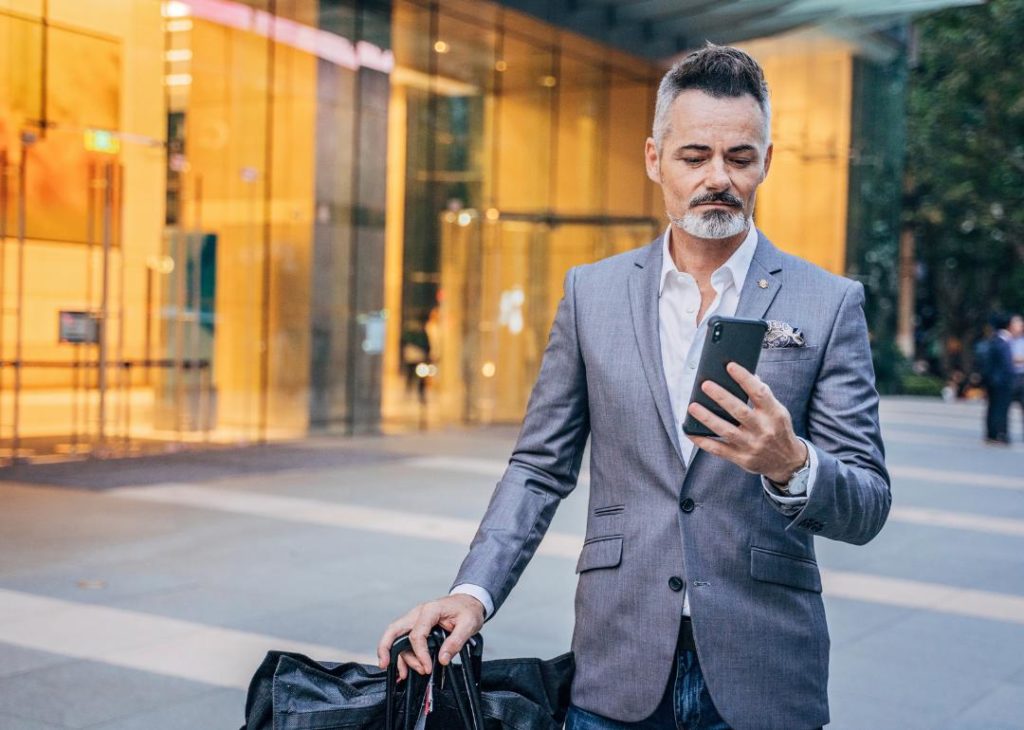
(999, 381)
(698, 600)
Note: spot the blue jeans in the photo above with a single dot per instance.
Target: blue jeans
(686, 705)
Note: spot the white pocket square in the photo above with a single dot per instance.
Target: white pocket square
(782, 334)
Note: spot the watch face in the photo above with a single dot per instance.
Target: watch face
(798, 483)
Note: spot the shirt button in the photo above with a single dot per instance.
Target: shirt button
(686, 505)
(675, 583)
(691, 310)
(691, 365)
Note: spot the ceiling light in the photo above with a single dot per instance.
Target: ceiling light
(178, 54)
(175, 9)
(178, 79)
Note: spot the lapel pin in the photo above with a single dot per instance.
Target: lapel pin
(763, 283)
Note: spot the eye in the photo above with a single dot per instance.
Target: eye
(742, 162)
(693, 160)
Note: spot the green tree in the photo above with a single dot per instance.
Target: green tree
(965, 170)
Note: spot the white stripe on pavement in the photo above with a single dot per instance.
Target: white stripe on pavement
(873, 589)
(974, 446)
(306, 511)
(957, 520)
(494, 468)
(928, 596)
(959, 478)
(331, 514)
(135, 640)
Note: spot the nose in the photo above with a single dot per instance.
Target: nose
(718, 177)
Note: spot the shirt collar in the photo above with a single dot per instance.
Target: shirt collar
(736, 266)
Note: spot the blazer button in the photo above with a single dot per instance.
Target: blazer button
(675, 583)
(686, 505)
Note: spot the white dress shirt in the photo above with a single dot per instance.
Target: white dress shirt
(682, 341)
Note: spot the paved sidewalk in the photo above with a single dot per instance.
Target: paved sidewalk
(143, 595)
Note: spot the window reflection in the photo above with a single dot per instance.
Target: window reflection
(505, 131)
(230, 222)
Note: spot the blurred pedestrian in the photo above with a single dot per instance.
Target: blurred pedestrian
(999, 381)
(1016, 330)
(416, 357)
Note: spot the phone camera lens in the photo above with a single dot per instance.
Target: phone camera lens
(716, 334)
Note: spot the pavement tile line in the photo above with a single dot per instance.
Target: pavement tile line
(964, 444)
(927, 596)
(494, 468)
(332, 514)
(958, 520)
(146, 642)
(840, 584)
(959, 478)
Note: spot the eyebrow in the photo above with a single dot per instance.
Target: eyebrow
(706, 148)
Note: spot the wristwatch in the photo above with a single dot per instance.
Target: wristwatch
(797, 484)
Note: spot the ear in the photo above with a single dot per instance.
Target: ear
(651, 161)
(767, 161)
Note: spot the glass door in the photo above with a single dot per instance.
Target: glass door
(501, 281)
(64, 382)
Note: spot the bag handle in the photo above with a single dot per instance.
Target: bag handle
(465, 681)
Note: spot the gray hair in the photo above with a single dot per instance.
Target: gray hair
(720, 71)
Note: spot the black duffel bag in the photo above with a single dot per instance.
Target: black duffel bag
(293, 692)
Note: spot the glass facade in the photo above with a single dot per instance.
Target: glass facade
(516, 150)
(187, 192)
(229, 222)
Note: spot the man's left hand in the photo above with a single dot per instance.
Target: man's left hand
(764, 441)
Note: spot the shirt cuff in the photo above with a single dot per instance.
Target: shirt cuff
(480, 594)
(799, 492)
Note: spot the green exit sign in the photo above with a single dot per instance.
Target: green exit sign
(100, 140)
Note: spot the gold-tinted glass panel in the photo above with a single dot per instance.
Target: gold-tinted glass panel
(802, 204)
(29, 8)
(627, 188)
(581, 163)
(21, 95)
(525, 125)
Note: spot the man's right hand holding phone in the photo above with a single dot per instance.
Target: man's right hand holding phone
(764, 441)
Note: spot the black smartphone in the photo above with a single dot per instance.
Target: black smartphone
(728, 339)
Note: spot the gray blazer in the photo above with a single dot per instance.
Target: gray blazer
(750, 570)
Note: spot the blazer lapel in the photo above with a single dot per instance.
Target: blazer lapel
(760, 286)
(643, 301)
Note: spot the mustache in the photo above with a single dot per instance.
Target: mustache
(723, 197)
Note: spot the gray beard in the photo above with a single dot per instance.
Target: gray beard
(712, 224)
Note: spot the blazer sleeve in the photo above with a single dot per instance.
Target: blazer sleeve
(544, 466)
(851, 496)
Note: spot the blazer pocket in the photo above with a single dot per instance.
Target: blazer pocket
(787, 354)
(600, 552)
(787, 570)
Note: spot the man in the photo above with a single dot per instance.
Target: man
(698, 603)
(999, 382)
(1016, 330)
